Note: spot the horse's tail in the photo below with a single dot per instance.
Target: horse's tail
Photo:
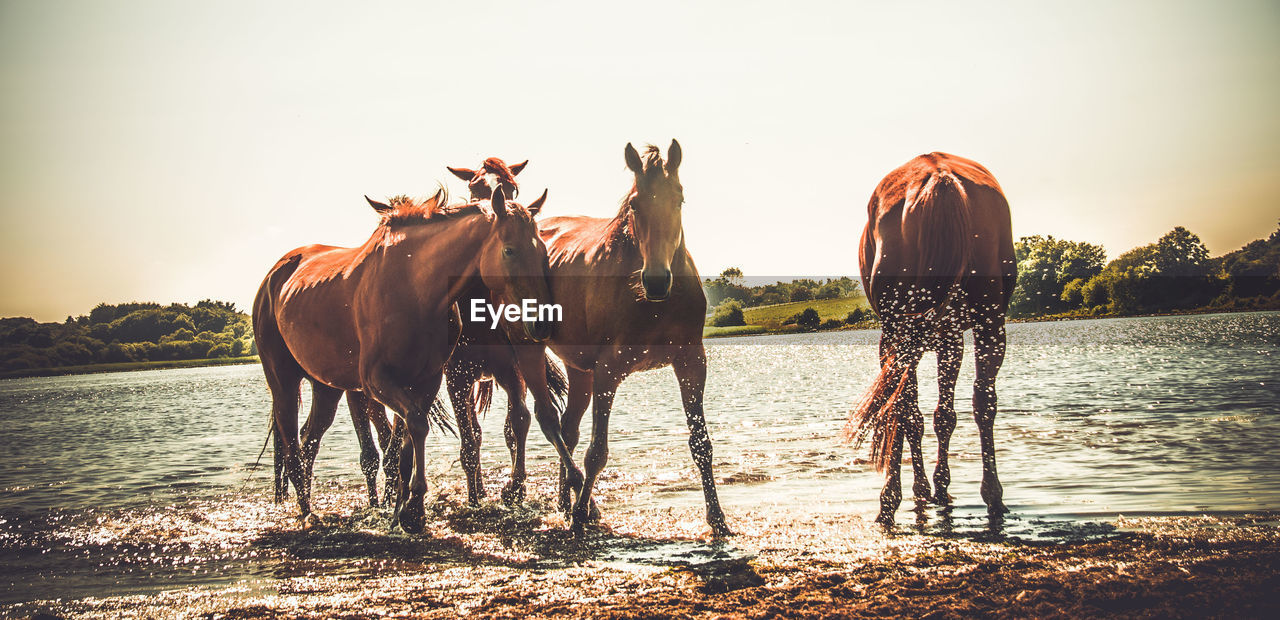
(481, 397)
(876, 413)
(939, 217)
(438, 414)
(266, 334)
(557, 385)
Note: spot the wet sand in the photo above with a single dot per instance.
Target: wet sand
(497, 562)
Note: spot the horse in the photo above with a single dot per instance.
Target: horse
(937, 259)
(382, 319)
(632, 301)
(485, 355)
(492, 173)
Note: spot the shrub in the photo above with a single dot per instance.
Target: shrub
(808, 319)
(831, 324)
(728, 314)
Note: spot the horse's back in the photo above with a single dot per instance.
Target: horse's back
(937, 220)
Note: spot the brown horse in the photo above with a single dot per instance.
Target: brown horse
(485, 355)
(491, 174)
(381, 319)
(936, 259)
(632, 301)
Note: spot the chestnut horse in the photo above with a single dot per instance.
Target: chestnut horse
(936, 259)
(381, 319)
(485, 355)
(632, 301)
(467, 361)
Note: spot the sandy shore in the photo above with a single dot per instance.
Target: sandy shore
(501, 563)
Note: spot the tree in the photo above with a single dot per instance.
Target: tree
(1045, 267)
(808, 319)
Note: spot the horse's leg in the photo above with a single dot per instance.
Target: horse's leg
(691, 372)
(285, 394)
(571, 422)
(324, 405)
(604, 386)
(461, 376)
(389, 436)
(515, 430)
(989, 344)
(950, 354)
(414, 403)
(532, 362)
(906, 355)
(358, 406)
(913, 427)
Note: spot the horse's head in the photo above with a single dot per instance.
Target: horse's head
(655, 215)
(491, 174)
(513, 260)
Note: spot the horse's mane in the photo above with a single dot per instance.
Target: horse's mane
(619, 230)
(498, 168)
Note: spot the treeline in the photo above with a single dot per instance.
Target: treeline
(729, 287)
(1174, 273)
(130, 332)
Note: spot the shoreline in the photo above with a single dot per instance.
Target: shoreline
(1053, 318)
(89, 369)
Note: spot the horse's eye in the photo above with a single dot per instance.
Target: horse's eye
(508, 251)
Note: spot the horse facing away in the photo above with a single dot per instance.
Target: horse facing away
(381, 319)
(936, 259)
(632, 301)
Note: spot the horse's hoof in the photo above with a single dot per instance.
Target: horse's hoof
(922, 492)
(593, 513)
(720, 530)
(885, 520)
(942, 498)
(998, 509)
(513, 494)
(410, 517)
(310, 520)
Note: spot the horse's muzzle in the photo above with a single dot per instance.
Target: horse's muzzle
(657, 284)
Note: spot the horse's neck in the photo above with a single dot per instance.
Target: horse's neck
(444, 256)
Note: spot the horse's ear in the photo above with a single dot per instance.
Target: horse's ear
(536, 206)
(499, 202)
(633, 160)
(462, 173)
(674, 155)
(518, 167)
(380, 207)
(433, 204)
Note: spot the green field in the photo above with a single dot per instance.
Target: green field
(126, 366)
(772, 316)
(768, 319)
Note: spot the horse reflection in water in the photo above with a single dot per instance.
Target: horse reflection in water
(936, 259)
(381, 319)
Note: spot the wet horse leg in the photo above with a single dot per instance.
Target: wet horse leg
(462, 375)
(532, 362)
(913, 427)
(324, 405)
(950, 355)
(906, 357)
(690, 367)
(604, 386)
(413, 404)
(989, 346)
(570, 424)
(515, 431)
(358, 406)
(285, 393)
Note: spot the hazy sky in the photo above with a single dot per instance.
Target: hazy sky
(172, 151)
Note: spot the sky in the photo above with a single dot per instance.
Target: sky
(172, 151)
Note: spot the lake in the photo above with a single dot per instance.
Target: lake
(133, 483)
